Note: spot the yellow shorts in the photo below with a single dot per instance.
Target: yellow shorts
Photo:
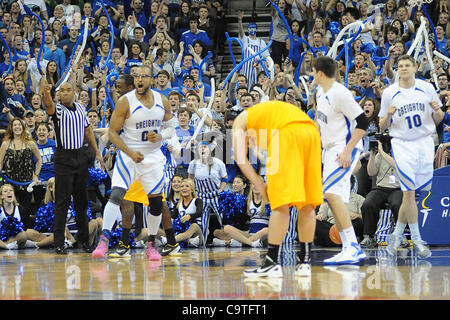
(296, 178)
(137, 194)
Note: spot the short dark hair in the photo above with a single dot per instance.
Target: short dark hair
(190, 93)
(164, 72)
(160, 52)
(128, 79)
(175, 93)
(94, 111)
(247, 95)
(392, 29)
(443, 74)
(325, 64)
(353, 12)
(242, 88)
(184, 109)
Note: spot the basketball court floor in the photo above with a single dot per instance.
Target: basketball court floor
(216, 274)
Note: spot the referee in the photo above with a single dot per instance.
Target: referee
(71, 162)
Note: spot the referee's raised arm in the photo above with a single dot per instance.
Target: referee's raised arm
(48, 99)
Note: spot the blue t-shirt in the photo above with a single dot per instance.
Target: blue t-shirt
(164, 92)
(446, 122)
(47, 151)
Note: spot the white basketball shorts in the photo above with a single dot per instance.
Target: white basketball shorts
(415, 162)
(150, 172)
(336, 180)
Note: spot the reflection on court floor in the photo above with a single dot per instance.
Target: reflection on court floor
(216, 273)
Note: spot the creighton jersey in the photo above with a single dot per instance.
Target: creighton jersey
(413, 118)
(143, 120)
(336, 113)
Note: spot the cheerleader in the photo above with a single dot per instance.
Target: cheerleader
(210, 178)
(10, 210)
(173, 196)
(239, 220)
(258, 214)
(189, 212)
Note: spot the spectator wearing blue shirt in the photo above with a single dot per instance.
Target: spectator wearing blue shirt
(195, 72)
(139, 9)
(52, 52)
(194, 33)
(441, 44)
(184, 133)
(162, 83)
(135, 56)
(16, 103)
(180, 70)
(47, 148)
(4, 66)
(18, 51)
(368, 87)
(68, 44)
(318, 45)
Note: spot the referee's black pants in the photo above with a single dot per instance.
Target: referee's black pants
(71, 178)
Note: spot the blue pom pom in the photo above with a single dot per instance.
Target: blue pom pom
(334, 27)
(96, 176)
(45, 217)
(231, 205)
(116, 236)
(179, 227)
(10, 227)
(88, 211)
(268, 209)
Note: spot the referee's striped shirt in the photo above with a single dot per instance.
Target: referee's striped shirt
(71, 123)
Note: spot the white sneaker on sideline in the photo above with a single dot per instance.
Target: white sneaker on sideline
(235, 243)
(218, 242)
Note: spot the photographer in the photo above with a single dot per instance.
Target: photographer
(387, 189)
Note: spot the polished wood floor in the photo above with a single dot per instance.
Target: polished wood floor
(216, 273)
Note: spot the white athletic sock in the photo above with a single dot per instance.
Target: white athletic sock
(110, 215)
(153, 224)
(399, 229)
(415, 233)
(350, 235)
(343, 238)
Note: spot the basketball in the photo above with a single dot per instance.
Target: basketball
(334, 235)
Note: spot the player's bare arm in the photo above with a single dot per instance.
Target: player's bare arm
(168, 127)
(386, 121)
(118, 117)
(345, 158)
(438, 114)
(48, 100)
(240, 147)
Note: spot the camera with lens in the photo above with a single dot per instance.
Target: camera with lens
(385, 140)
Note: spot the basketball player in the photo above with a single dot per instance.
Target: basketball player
(342, 124)
(411, 109)
(144, 118)
(293, 175)
(255, 44)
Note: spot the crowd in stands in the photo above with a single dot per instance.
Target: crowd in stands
(174, 38)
